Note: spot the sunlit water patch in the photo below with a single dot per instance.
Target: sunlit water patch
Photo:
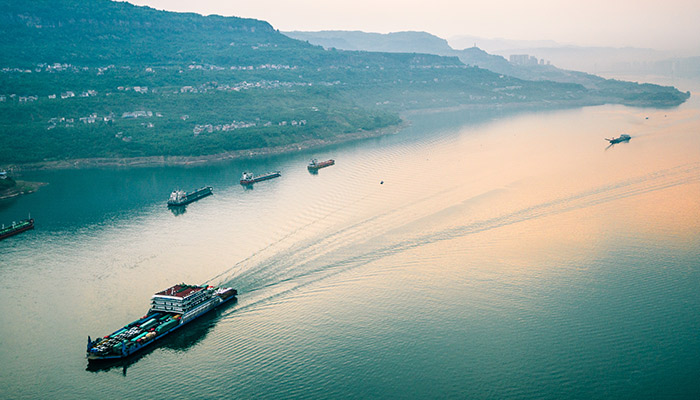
(470, 255)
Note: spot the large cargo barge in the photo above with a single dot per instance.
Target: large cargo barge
(248, 178)
(170, 309)
(16, 227)
(315, 165)
(180, 197)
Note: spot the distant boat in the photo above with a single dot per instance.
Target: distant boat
(16, 227)
(248, 178)
(180, 197)
(314, 164)
(622, 138)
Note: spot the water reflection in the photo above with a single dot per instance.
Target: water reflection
(509, 231)
(177, 210)
(6, 203)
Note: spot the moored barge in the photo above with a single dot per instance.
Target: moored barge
(314, 164)
(248, 178)
(180, 197)
(170, 309)
(16, 227)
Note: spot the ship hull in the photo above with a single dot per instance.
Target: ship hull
(616, 141)
(96, 358)
(320, 165)
(18, 230)
(191, 198)
(621, 139)
(260, 178)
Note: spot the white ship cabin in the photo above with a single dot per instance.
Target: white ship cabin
(177, 196)
(180, 298)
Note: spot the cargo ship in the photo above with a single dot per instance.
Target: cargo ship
(248, 178)
(314, 164)
(623, 138)
(180, 197)
(170, 309)
(16, 227)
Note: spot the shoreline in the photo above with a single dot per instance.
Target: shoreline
(21, 188)
(149, 161)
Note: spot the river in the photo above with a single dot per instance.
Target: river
(475, 254)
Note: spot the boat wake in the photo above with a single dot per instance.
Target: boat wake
(286, 266)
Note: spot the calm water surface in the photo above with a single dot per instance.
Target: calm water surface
(505, 255)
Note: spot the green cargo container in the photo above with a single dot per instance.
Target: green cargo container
(139, 337)
(117, 348)
(167, 326)
(149, 324)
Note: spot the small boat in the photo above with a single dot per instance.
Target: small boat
(170, 310)
(622, 138)
(180, 197)
(16, 227)
(248, 178)
(314, 164)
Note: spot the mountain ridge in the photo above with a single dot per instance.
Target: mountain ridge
(99, 79)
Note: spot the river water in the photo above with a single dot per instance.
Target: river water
(475, 254)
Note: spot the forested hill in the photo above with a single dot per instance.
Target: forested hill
(423, 42)
(95, 78)
(101, 32)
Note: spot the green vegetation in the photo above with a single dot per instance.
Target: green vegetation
(7, 183)
(87, 79)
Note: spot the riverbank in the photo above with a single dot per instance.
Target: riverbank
(146, 161)
(194, 160)
(22, 187)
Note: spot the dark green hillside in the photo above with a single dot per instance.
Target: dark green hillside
(95, 78)
(7, 183)
(96, 32)
(103, 32)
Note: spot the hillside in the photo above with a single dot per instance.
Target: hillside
(423, 42)
(99, 79)
(396, 42)
(6, 183)
(102, 32)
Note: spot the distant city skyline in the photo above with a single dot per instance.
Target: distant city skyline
(670, 25)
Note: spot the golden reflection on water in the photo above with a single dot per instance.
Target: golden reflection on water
(473, 230)
(562, 188)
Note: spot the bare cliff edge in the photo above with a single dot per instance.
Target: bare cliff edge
(108, 83)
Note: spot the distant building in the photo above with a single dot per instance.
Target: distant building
(523, 59)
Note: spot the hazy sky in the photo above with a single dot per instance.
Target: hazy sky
(639, 23)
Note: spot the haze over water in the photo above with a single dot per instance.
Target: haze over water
(505, 255)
